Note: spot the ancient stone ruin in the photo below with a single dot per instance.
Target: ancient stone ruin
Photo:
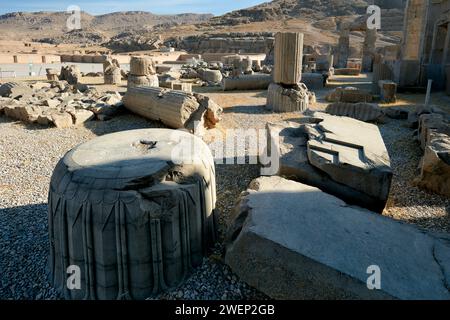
(112, 72)
(142, 72)
(322, 150)
(175, 109)
(324, 249)
(287, 94)
(138, 207)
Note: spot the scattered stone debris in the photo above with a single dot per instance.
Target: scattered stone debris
(57, 103)
(70, 73)
(434, 138)
(349, 94)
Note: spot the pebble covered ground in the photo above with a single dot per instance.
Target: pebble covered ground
(29, 153)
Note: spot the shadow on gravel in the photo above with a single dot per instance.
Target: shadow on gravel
(122, 122)
(247, 110)
(23, 255)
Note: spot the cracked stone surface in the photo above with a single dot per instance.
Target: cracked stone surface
(312, 251)
(134, 210)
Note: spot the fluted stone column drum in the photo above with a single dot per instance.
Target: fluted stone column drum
(134, 210)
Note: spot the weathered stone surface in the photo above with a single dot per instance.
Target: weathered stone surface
(114, 76)
(25, 113)
(287, 99)
(71, 74)
(388, 90)
(175, 109)
(142, 66)
(247, 82)
(349, 94)
(213, 76)
(62, 120)
(317, 247)
(381, 71)
(80, 116)
(434, 137)
(52, 103)
(141, 208)
(288, 58)
(148, 81)
(339, 155)
(435, 165)
(52, 74)
(182, 86)
(360, 111)
(14, 90)
(351, 152)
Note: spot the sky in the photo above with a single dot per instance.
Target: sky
(216, 7)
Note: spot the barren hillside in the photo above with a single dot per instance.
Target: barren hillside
(41, 25)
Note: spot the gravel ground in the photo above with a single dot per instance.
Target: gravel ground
(407, 202)
(28, 155)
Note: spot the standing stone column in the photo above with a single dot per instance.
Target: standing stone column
(288, 58)
(369, 49)
(142, 72)
(343, 48)
(288, 94)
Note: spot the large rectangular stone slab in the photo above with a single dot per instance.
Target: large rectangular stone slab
(333, 155)
(293, 241)
(351, 152)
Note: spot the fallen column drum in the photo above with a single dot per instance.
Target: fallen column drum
(134, 211)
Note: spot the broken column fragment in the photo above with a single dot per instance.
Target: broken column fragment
(134, 210)
(71, 74)
(284, 99)
(52, 74)
(341, 156)
(142, 72)
(293, 241)
(175, 109)
(247, 82)
(287, 94)
(288, 58)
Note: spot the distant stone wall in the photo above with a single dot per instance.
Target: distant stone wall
(29, 58)
(226, 43)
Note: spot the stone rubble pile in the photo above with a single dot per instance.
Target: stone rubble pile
(433, 134)
(57, 103)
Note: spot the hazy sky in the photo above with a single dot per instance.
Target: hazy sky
(216, 7)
